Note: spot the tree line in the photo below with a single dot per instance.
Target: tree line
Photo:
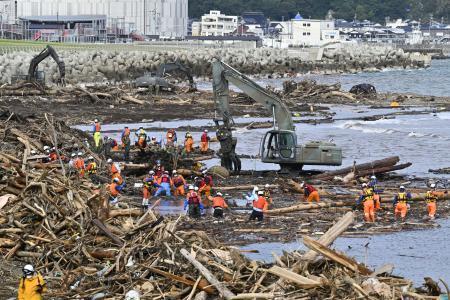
(375, 10)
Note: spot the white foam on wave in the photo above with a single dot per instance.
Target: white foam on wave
(416, 134)
(361, 126)
(386, 121)
(444, 116)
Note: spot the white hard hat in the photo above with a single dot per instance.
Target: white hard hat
(196, 188)
(219, 194)
(91, 158)
(28, 268)
(109, 160)
(174, 172)
(302, 184)
(373, 177)
(46, 147)
(402, 187)
(266, 186)
(206, 130)
(73, 155)
(151, 172)
(255, 188)
(96, 120)
(166, 172)
(364, 185)
(153, 137)
(204, 171)
(132, 295)
(116, 179)
(433, 185)
(80, 153)
(191, 187)
(260, 193)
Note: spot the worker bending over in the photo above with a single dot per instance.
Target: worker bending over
(376, 192)
(32, 285)
(79, 164)
(179, 183)
(206, 184)
(259, 207)
(114, 189)
(204, 142)
(366, 198)
(192, 203)
(115, 171)
(401, 203)
(431, 198)
(165, 183)
(309, 192)
(250, 197)
(218, 204)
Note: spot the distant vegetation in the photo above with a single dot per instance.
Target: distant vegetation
(375, 10)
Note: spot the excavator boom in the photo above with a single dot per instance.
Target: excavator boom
(223, 73)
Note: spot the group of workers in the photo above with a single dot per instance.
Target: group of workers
(370, 199)
(143, 141)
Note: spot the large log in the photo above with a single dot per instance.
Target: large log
(383, 170)
(223, 290)
(243, 187)
(290, 276)
(331, 235)
(106, 231)
(303, 207)
(390, 161)
(339, 258)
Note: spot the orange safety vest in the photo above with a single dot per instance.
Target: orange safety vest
(112, 189)
(114, 168)
(260, 204)
(79, 164)
(193, 198)
(97, 127)
(431, 197)
(219, 202)
(178, 181)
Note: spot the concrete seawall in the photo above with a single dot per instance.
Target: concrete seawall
(102, 65)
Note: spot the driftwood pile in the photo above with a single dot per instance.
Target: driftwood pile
(88, 250)
(306, 89)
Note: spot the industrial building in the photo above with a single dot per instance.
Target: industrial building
(163, 18)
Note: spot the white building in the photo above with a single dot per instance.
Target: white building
(196, 28)
(303, 32)
(166, 18)
(217, 24)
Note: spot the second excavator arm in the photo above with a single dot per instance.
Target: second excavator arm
(176, 66)
(223, 74)
(48, 51)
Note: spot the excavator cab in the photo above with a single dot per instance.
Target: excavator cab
(279, 146)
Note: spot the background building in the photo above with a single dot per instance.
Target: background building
(217, 24)
(164, 18)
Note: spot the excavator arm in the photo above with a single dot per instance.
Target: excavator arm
(176, 67)
(48, 51)
(223, 74)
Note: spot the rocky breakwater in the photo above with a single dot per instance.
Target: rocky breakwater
(103, 65)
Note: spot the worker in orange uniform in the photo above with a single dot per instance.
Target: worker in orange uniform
(179, 183)
(218, 204)
(115, 170)
(366, 198)
(309, 192)
(431, 198)
(142, 138)
(188, 144)
(32, 285)
(206, 184)
(165, 183)
(114, 190)
(401, 203)
(96, 132)
(171, 138)
(79, 164)
(259, 207)
(204, 142)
